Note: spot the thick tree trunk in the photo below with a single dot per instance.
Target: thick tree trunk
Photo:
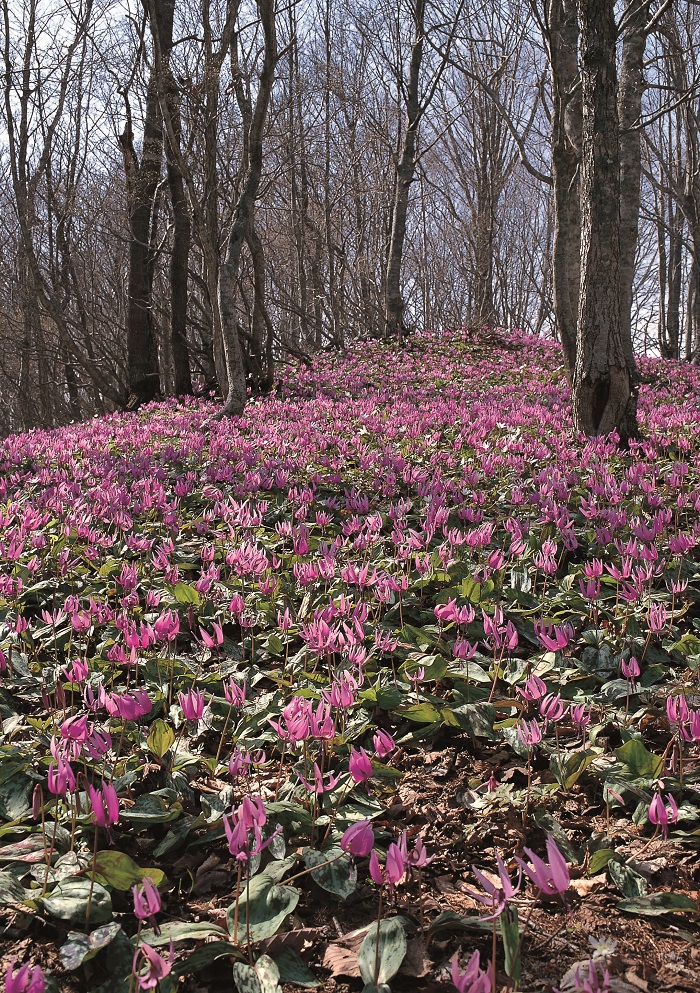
(405, 170)
(566, 150)
(243, 219)
(631, 91)
(142, 184)
(161, 16)
(604, 395)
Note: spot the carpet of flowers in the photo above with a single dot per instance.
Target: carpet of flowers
(378, 684)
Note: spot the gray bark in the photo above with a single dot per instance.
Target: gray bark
(243, 219)
(566, 149)
(142, 178)
(604, 396)
(161, 15)
(631, 91)
(405, 171)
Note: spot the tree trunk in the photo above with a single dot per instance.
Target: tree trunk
(241, 228)
(161, 15)
(632, 86)
(405, 170)
(142, 185)
(604, 394)
(566, 149)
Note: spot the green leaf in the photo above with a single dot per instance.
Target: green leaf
(572, 768)
(30, 849)
(656, 904)
(294, 970)
(599, 860)
(274, 645)
(333, 870)
(263, 907)
(116, 963)
(392, 951)
(476, 719)
(510, 933)
(160, 738)
(205, 956)
(476, 592)
(389, 697)
(186, 594)
(11, 890)
(15, 797)
(150, 809)
(263, 977)
(79, 948)
(641, 762)
(421, 713)
(69, 902)
(118, 870)
(289, 814)
(628, 882)
(183, 931)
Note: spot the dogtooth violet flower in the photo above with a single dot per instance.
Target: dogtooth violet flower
(663, 811)
(360, 765)
(146, 901)
(104, 805)
(473, 979)
(358, 839)
(394, 869)
(25, 980)
(494, 896)
(550, 879)
(149, 967)
(192, 703)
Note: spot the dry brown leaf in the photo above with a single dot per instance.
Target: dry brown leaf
(340, 961)
(416, 962)
(299, 939)
(635, 980)
(585, 886)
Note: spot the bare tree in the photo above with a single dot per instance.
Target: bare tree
(603, 394)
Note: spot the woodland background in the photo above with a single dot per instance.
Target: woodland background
(125, 152)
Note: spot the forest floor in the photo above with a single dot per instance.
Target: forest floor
(397, 597)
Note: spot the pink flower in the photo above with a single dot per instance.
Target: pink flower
(553, 638)
(212, 641)
(318, 786)
(358, 839)
(167, 627)
(592, 983)
(394, 869)
(249, 817)
(657, 617)
(23, 981)
(146, 900)
(530, 734)
(75, 728)
(663, 812)
(360, 765)
(104, 805)
(418, 855)
(473, 979)
(495, 897)
(535, 688)
(630, 669)
(234, 692)
(149, 967)
(580, 717)
(383, 744)
(552, 707)
(61, 778)
(551, 878)
(192, 703)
